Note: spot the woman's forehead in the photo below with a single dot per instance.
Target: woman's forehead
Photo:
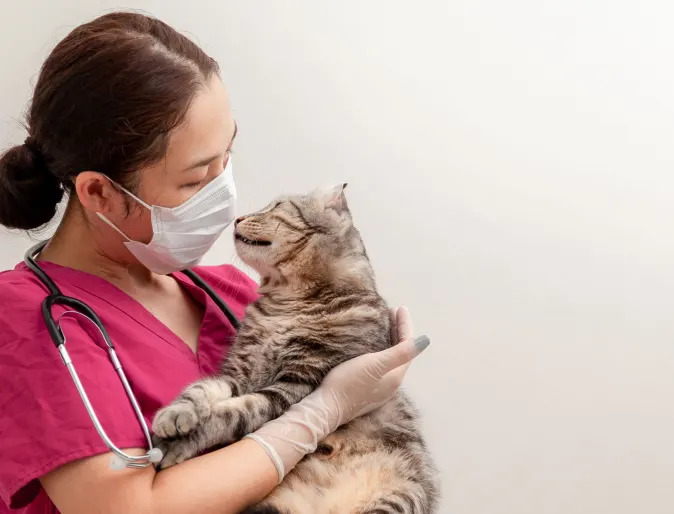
(206, 131)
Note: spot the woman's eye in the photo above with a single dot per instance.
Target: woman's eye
(191, 185)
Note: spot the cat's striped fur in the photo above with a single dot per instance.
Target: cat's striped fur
(319, 306)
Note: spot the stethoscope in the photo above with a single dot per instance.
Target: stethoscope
(55, 297)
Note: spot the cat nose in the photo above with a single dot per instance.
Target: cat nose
(238, 220)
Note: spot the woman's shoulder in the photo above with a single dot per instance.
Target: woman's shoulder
(18, 287)
(22, 327)
(19, 273)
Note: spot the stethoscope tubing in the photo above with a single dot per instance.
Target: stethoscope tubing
(55, 297)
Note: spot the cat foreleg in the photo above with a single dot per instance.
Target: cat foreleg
(239, 416)
(183, 433)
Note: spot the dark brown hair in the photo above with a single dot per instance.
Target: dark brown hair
(106, 100)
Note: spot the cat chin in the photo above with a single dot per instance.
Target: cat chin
(250, 255)
(258, 265)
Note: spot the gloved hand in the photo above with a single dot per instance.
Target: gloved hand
(350, 390)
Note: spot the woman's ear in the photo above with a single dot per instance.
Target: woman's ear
(335, 198)
(96, 192)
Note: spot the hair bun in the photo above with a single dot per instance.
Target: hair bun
(34, 149)
(29, 192)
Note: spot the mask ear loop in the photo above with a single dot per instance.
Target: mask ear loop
(147, 206)
(104, 218)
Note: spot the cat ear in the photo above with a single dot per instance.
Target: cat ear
(335, 198)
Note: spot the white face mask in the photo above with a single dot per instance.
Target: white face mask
(182, 235)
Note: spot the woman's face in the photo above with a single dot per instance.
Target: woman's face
(198, 151)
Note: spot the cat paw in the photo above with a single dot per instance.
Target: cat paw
(191, 408)
(175, 451)
(178, 419)
(329, 447)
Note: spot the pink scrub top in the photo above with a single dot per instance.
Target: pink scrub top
(43, 423)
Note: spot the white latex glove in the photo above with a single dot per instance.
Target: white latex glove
(350, 390)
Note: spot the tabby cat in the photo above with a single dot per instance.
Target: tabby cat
(318, 307)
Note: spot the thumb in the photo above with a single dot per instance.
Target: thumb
(400, 354)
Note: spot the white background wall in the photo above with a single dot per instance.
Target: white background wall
(511, 167)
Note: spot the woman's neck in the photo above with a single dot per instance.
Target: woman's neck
(77, 245)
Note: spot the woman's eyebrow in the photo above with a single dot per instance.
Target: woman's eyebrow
(205, 162)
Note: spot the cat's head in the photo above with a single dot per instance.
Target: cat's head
(305, 237)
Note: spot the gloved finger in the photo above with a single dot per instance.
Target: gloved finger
(402, 353)
(404, 326)
(386, 388)
(394, 326)
(394, 379)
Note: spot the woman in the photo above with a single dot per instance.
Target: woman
(130, 119)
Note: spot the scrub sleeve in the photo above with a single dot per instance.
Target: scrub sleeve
(43, 423)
